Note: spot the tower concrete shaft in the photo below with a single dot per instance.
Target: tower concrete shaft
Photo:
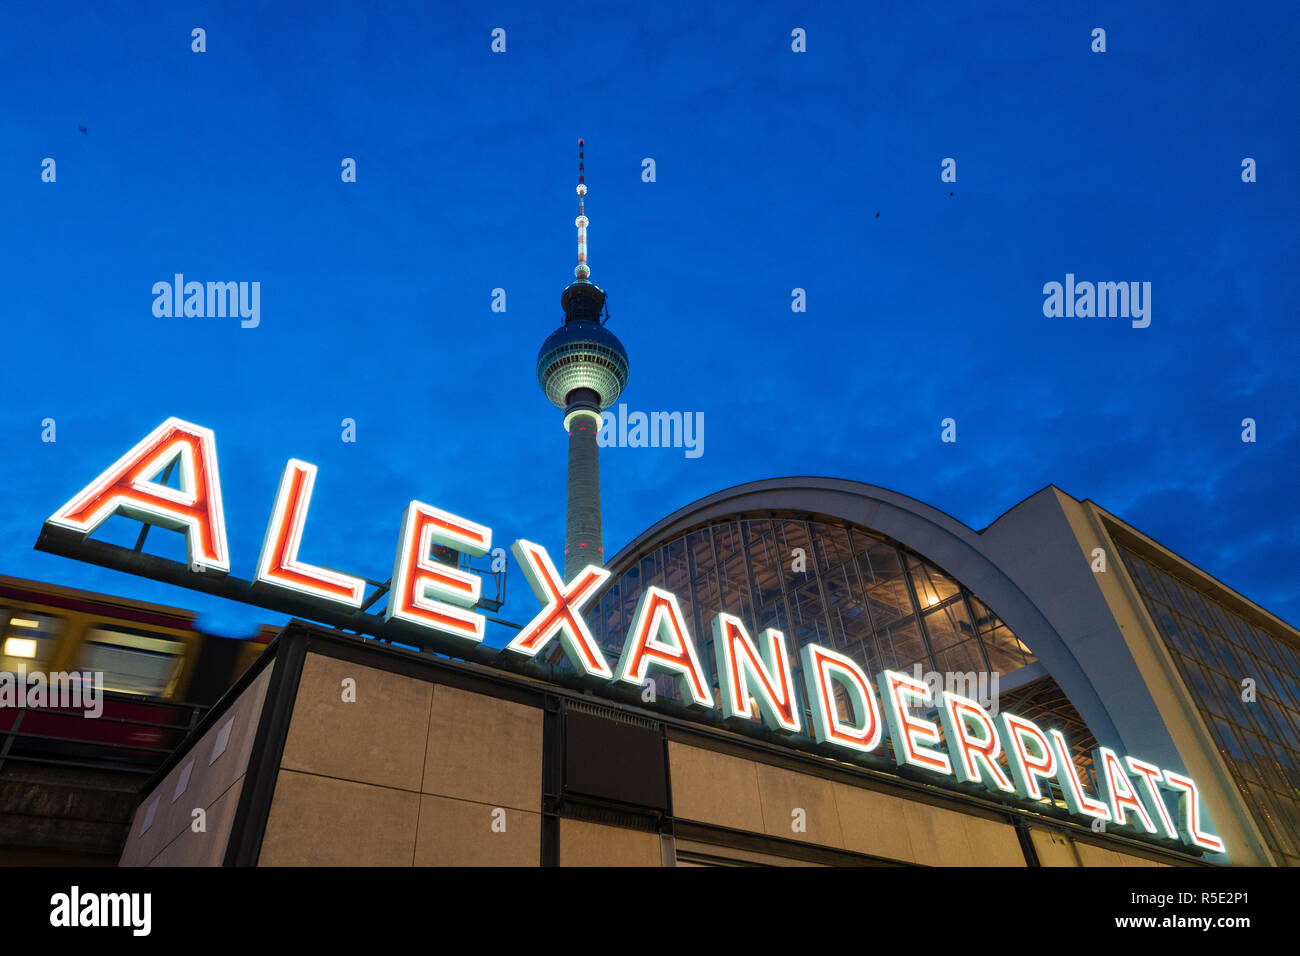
(583, 544)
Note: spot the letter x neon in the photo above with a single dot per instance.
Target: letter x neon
(560, 613)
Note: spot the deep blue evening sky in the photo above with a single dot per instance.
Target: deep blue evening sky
(775, 170)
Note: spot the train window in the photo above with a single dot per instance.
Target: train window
(27, 638)
(132, 662)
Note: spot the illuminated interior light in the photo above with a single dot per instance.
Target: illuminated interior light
(823, 668)
(23, 622)
(765, 670)
(111, 637)
(20, 647)
(194, 508)
(659, 638)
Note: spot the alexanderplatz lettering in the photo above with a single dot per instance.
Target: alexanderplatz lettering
(756, 684)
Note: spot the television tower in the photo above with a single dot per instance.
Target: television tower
(582, 367)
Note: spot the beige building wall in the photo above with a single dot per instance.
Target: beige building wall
(210, 777)
(383, 769)
(416, 773)
(594, 844)
(406, 773)
(739, 794)
(1060, 849)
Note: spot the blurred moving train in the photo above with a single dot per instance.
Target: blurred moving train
(160, 673)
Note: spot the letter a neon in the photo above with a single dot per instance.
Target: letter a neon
(126, 488)
(658, 637)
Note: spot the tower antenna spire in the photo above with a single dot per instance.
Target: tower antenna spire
(582, 271)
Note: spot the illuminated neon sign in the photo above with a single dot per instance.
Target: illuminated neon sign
(757, 689)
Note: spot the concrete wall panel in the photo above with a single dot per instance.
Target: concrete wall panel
(714, 788)
(485, 750)
(593, 844)
(321, 821)
(783, 792)
(460, 833)
(378, 738)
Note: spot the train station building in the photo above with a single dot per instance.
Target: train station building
(338, 750)
(1058, 689)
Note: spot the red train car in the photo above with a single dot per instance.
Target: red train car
(157, 671)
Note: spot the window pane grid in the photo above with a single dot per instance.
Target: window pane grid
(1216, 651)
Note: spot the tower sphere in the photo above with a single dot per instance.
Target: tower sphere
(582, 353)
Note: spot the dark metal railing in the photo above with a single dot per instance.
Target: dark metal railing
(47, 735)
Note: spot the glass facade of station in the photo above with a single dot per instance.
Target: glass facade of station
(841, 586)
(817, 582)
(1217, 651)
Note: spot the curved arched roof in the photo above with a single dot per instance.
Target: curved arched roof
(934, 535)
